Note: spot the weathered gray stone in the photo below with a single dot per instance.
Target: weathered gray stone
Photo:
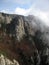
(6, 61)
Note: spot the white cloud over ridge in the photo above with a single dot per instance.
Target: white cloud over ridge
(43, 15)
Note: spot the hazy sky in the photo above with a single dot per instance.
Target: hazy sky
(38, 8)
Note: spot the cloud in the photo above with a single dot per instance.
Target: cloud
(43, 4)
(7, 11)
(44, 16)
(20, 11)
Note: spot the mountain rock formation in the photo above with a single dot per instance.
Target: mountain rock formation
(25, 38)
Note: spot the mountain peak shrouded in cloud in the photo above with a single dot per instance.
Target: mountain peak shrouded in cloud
(24, 31)
(39, 8)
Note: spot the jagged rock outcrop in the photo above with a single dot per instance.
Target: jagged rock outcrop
(6, 61)
(20, 31)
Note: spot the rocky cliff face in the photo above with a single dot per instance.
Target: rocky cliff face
(27, 39)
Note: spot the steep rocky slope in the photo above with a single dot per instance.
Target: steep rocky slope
(25, 38)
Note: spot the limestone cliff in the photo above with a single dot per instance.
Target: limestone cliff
(25, 38)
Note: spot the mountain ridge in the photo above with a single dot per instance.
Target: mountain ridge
(25, 37)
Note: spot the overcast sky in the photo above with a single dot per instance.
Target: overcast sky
(38, 8)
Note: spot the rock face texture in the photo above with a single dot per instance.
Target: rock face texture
(24, 38)
(5, 61)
